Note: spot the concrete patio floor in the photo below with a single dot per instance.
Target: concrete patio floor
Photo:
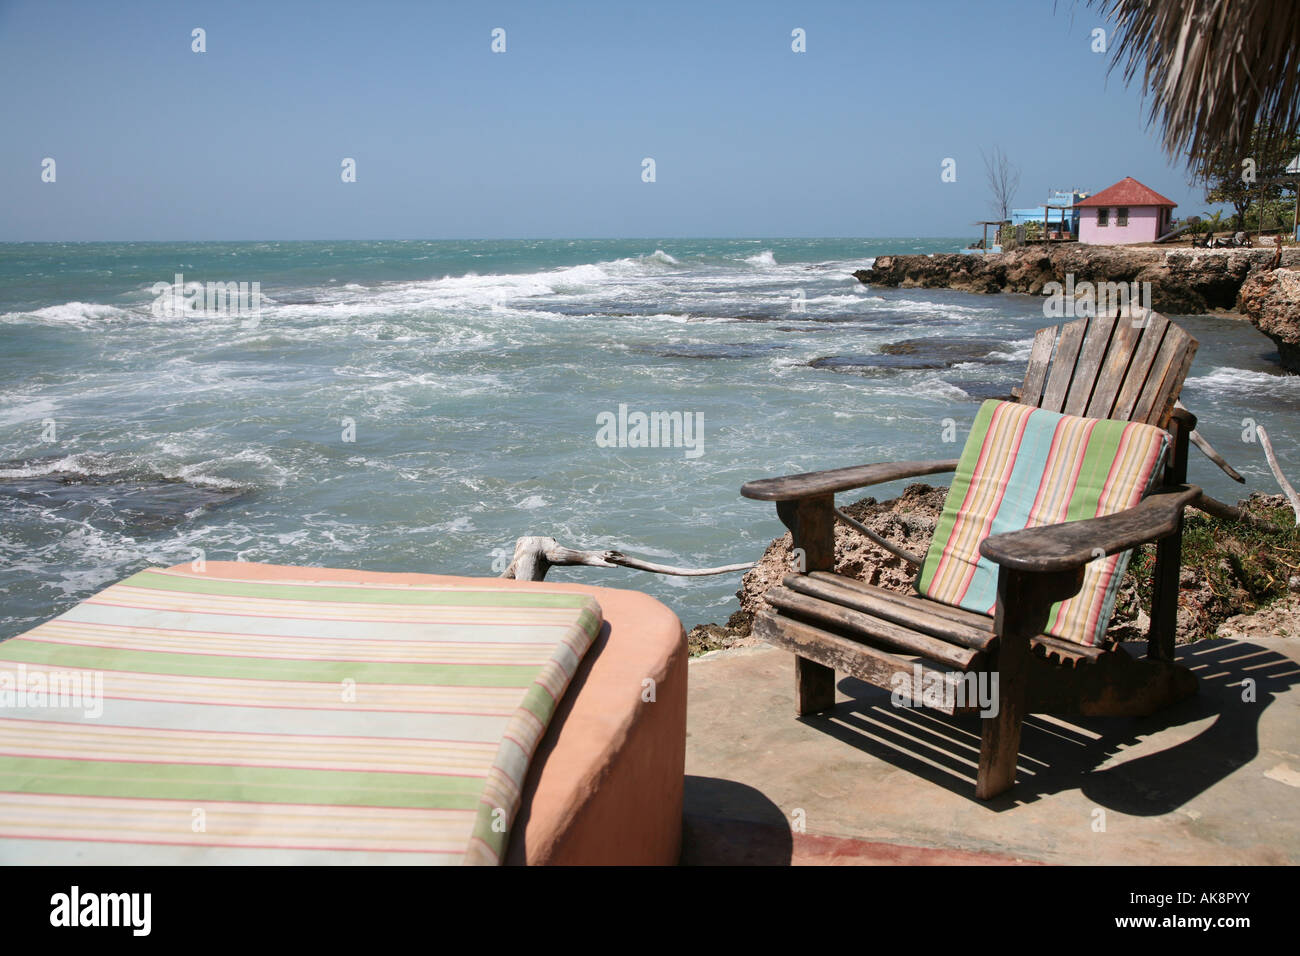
(1214, 780)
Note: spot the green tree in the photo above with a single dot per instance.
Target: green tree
(1269, 214)
(1254, 176)
(1210, 223)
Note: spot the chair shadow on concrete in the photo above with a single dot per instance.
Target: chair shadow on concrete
(1069, 753)
(731, 824)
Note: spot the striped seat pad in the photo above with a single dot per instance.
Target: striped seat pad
(1023, 467)
(179, 717)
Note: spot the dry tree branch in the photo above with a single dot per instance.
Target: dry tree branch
(1219, 509)
(1003, 179)
(1287, 490)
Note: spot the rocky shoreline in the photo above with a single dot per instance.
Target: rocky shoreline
(1236, 580)
(1182, 281)
(1271, 300)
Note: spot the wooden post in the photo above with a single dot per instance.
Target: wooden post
(812, 528)
(1164, 585)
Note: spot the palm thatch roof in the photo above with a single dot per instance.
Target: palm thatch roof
(1213, 69)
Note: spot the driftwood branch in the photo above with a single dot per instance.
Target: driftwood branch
(1287, 490)
(1219, 509)
(1200, 442)
(535, 555)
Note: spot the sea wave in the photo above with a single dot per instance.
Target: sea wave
(1014, 352)
(1239, 379)
(921, 306)
(654, 277)
(67, 313)
(121, 467)
(661, 257)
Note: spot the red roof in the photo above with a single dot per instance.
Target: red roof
(1127, 192)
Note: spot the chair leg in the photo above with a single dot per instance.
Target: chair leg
(1000, 744)
(812, 530)
(1165, 578)
(814, 687)
(1024, 600)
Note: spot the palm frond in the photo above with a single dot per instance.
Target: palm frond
(1214, 69)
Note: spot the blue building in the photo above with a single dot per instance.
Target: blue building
(1064, 218)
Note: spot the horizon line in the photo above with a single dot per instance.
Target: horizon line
(749, 238)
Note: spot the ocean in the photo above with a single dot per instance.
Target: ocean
(417, 406)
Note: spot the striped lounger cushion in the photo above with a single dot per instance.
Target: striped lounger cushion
(1023, 467)
(254, 721)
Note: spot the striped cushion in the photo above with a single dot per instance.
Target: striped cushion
(273, 721)
(1023, 467)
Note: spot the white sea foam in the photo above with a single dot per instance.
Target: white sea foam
(935, 388)
(1240, 379)
(1014, 352)
(631, 281)
(69, 313)
(99, 465)
(939, 309)
(32, 412)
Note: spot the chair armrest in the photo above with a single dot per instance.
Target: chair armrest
(814, 483)
(1072, 544)
(1184, 416)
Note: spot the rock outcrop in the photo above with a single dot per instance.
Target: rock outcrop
(1183, 281)
(1271, 300)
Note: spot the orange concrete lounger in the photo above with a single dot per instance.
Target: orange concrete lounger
(605, 784)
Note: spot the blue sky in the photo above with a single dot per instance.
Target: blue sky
(155, 142)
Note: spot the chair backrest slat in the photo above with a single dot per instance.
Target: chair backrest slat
(1062, 373)
(1088, 368)
(1118, 359)
(1040, 360)
(1165, 381)
(1140, 367)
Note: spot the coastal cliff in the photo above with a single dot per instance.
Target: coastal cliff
(1182, 281)
(1271, 300)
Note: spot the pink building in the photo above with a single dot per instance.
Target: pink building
(1123, 213)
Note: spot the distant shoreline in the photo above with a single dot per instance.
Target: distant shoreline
(1181, 281)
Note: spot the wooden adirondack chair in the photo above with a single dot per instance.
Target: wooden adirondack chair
(1104, 367)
